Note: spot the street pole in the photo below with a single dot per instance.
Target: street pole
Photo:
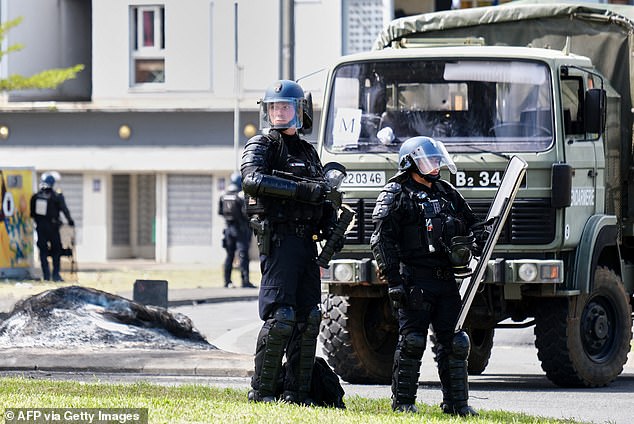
(236, 86)
(287, 39)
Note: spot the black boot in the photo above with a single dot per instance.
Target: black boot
(452, 370)
(244, 270)
(301, 360)
(405, 372)
(271, 343)
(228, 267)
(46, 272)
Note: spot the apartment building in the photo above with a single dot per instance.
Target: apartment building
(144, 137)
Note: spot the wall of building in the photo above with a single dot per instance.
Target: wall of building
(179, 134)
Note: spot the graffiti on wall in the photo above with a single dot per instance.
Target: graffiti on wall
(16, 226)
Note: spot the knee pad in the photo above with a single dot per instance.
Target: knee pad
(460, 345)
(282, 322)
(413, 344)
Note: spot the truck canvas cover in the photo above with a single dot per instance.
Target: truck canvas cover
(601, 32)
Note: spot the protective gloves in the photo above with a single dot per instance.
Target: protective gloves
(313, 193)
(398, 296)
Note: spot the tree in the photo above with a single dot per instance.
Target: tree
(49, 78)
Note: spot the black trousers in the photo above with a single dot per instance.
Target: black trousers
(290, 276)
(237, 238)
(48, 235)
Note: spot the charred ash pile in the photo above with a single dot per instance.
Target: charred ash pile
(75, 316)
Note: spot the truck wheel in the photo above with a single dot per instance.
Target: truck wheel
(359, 337)
(481, 345)
(583, 341)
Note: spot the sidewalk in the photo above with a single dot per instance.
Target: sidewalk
(211, 363)
(208, 363)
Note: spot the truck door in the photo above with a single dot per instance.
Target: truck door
(580, 152)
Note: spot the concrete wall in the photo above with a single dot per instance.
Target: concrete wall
(184, 126)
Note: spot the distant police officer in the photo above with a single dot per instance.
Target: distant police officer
(421, 238)
(289, 215)
(46, 206)
(237, 234)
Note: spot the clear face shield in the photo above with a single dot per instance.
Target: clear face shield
(428, 162)
(281, 113)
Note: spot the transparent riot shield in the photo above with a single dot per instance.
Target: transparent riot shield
(496, 217)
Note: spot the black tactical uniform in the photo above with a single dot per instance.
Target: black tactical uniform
(237, 234)
(46, 206)
(290, 216)
(412, 243)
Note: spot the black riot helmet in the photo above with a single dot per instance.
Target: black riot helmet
(236, 182)
(48, 179)
(284, 106)
(424, 155)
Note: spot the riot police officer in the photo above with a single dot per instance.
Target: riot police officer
(237, 234)
(283, 180)
(422, 236)
(46, 206)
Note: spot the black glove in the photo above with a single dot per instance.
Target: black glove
(397, 296)
(71, 222)
(314, 193)
(481, 232)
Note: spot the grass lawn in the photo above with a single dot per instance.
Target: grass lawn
(203, 404)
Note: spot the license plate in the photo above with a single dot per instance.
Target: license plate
(479, 179)
(364, 179)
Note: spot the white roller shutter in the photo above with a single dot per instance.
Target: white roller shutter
(189, 210)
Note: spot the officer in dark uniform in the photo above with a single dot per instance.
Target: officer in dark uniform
(290, 215)
(46, 206)
(237, 234)
(422, 237)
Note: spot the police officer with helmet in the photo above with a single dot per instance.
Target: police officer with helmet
(237, 234)
(284, 183)
(46, 206)
(422, 240)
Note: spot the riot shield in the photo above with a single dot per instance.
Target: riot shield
(499, 210)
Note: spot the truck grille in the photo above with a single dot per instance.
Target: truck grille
(531, 221)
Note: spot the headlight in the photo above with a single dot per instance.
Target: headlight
(527, 272)
(343, 272)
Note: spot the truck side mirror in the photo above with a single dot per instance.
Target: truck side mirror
(561, 183)
(307, 119)
(595, 111)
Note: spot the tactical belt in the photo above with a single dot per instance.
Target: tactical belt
(436, 273)
(302, 230)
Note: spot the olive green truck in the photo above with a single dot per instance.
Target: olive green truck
(550, 83)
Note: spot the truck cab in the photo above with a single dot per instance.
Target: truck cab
(565, 247)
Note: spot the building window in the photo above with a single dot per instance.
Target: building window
(148, 45)
(362, 22)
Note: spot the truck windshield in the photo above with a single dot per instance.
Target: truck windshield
(470, 105)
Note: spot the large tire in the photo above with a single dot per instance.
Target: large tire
(583, 341)
(359, 337)
(480, 353)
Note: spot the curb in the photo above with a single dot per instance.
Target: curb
(208, 363)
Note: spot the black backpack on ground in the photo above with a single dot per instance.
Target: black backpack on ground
(325, 388)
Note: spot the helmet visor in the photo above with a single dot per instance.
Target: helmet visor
(281, 113)
(427, 163)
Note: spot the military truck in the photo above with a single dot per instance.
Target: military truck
(550, 83)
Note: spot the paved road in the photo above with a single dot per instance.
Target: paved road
(513, 381)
